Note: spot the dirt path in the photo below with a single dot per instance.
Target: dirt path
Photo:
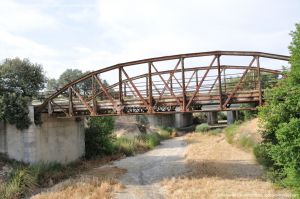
(220, 170)
(207, 167)
(146, 171)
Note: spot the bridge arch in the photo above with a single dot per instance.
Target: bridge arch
(184, 88)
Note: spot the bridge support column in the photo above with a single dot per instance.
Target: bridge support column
(212, 118)
(178, 120)
(232, 116)
(183, 120)
(56, 140)
(166, 120)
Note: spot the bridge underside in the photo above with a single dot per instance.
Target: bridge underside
(168, 85)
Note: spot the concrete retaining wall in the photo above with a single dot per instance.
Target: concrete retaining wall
(56, 140)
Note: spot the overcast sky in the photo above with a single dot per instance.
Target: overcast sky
(93, 34)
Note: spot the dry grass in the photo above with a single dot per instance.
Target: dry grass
(250, 128)
(98, 183)
(220, 170)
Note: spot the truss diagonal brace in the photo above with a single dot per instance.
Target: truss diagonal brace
(135, 89)
(200, 83)
(166, 86)
(168, 81)
(84, 102)
(103, 88)
(237, 87)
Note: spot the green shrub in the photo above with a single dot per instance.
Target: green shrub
(98, 136)
(216, 131)
(202, 128)
(22, 180)
(165, 132)
(222, 116)
(125, 145)
(279, 151)
(230, 132)
(246, 142)
(153, 140)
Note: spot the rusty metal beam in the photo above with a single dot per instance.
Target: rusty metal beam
(220, 83)
(165, 58)
(190, 79)
(201, 82)
(150, 94)
(183, 86)
(259, 80)
(136, 90)
(166, 86)
(238, 84)
(169, 79)
(104, 89)
(84, 102)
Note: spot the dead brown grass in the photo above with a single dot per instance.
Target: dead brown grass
(98, 183)
(220, 170)
(250, 128)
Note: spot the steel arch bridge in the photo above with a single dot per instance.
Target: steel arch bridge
(196, 82)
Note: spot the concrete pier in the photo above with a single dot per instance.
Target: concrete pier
(178, 120)
(56, 140)
(212, 118)
(232, 116)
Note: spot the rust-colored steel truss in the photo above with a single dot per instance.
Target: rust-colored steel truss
(212, 87)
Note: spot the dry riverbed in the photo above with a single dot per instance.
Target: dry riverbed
(191, 166)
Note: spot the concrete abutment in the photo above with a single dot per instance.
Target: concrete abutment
(55, 140)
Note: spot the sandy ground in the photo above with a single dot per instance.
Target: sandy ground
(220, 170)
(191, 166)
(146, 171)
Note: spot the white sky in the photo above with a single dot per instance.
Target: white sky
(94, 34)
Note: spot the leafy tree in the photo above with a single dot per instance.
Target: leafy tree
(98, 136)
(280, 149)
(52, 85)
(21, 76)
(20, 81)
(68, 76)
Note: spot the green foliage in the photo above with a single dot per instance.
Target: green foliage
(248, 114)
(21, 181)
(202, 128)
(52, 85)
(25, 178)
(151, 140)
(142, 123)
(247, 142)
(21, 77)
(165, 132)
(15, 110)
(199, 118)
(230, 132)
(68, 76)
(222, 116)
(280, 150)
(20, 81)
(143, 142)
(126, 145)
(98, 136)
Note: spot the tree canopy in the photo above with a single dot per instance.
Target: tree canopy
(20, 81)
